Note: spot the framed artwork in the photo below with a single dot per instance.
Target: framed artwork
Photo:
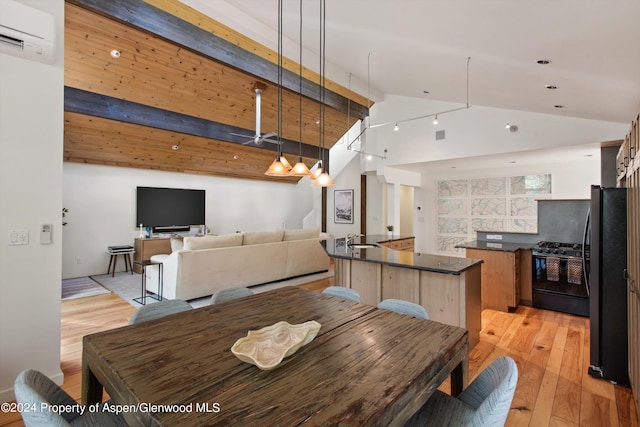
(343, 206)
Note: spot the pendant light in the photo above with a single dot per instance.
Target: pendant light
(322, 179)
(280, 166)
(300, 169)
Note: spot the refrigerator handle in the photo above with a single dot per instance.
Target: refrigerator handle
(584, 251)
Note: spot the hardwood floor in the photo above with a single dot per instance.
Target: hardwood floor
(551, 350)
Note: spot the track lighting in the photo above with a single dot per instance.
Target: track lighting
(435, 115)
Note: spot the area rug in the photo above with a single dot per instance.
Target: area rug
(128, 286)
(79, 287)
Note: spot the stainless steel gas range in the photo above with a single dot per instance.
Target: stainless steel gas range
(558, 277)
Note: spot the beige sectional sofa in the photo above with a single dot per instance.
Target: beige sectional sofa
(204, 265)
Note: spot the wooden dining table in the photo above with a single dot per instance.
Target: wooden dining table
(366, 366)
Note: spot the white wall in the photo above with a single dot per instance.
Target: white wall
(376, 217)
(31, 134)
(347, 179)
(102, 208)
(476, 131)
(570, 180)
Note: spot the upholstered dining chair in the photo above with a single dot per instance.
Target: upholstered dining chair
(159, 309)
(342, 292)
(230, 294)
(485, 402)
(36, 391)
(404, 307)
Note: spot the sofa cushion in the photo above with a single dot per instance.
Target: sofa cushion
(211, 242)
(177, 243)
(304, 233)
(257, 237)
(159, 257)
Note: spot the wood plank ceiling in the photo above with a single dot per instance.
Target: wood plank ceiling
(166, 89)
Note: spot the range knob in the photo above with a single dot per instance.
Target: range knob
(555, 251)
(563, 252)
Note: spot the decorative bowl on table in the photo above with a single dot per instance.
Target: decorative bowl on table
(267, 347)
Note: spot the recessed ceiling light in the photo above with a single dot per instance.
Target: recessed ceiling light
(551, 87)
(115, 54)
(425, 91)
(175, 147)
(236, 157)
(512, 161)
(558, 106)
(543, 61)
(588, 155)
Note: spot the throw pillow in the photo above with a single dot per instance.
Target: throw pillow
(177, 243)
(305, 233)
(211, 242)
(257, 237)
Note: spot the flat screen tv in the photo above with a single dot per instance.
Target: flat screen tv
(169, 209)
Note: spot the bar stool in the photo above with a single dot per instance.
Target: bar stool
(126, 252)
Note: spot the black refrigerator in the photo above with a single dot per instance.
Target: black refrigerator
(607, 283)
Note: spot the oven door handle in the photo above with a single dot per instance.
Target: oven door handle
(584, 251)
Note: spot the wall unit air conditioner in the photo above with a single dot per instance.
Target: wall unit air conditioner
(26, 32)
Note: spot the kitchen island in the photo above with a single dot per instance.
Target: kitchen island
(449, 288)
(506, 273)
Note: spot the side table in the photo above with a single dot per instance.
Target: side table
(143, 291)
(113, 252)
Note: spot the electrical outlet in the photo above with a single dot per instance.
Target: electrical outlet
(494, 236)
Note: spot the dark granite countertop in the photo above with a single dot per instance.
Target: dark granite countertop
(336, 248)
(495, 246)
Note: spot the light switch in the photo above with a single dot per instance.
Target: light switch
(18, 237)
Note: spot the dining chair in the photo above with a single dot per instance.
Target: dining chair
(404, 307)
(342, 292)
(38, 395)
(159, 309)
(230, 294)
(485, 402)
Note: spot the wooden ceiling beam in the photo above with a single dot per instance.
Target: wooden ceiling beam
(93, 104)
(146, 17)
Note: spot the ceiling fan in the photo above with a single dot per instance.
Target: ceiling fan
(258, 138)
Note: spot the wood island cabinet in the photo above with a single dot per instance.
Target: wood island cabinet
(451, 298)
(146, 248)
(500, 278)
